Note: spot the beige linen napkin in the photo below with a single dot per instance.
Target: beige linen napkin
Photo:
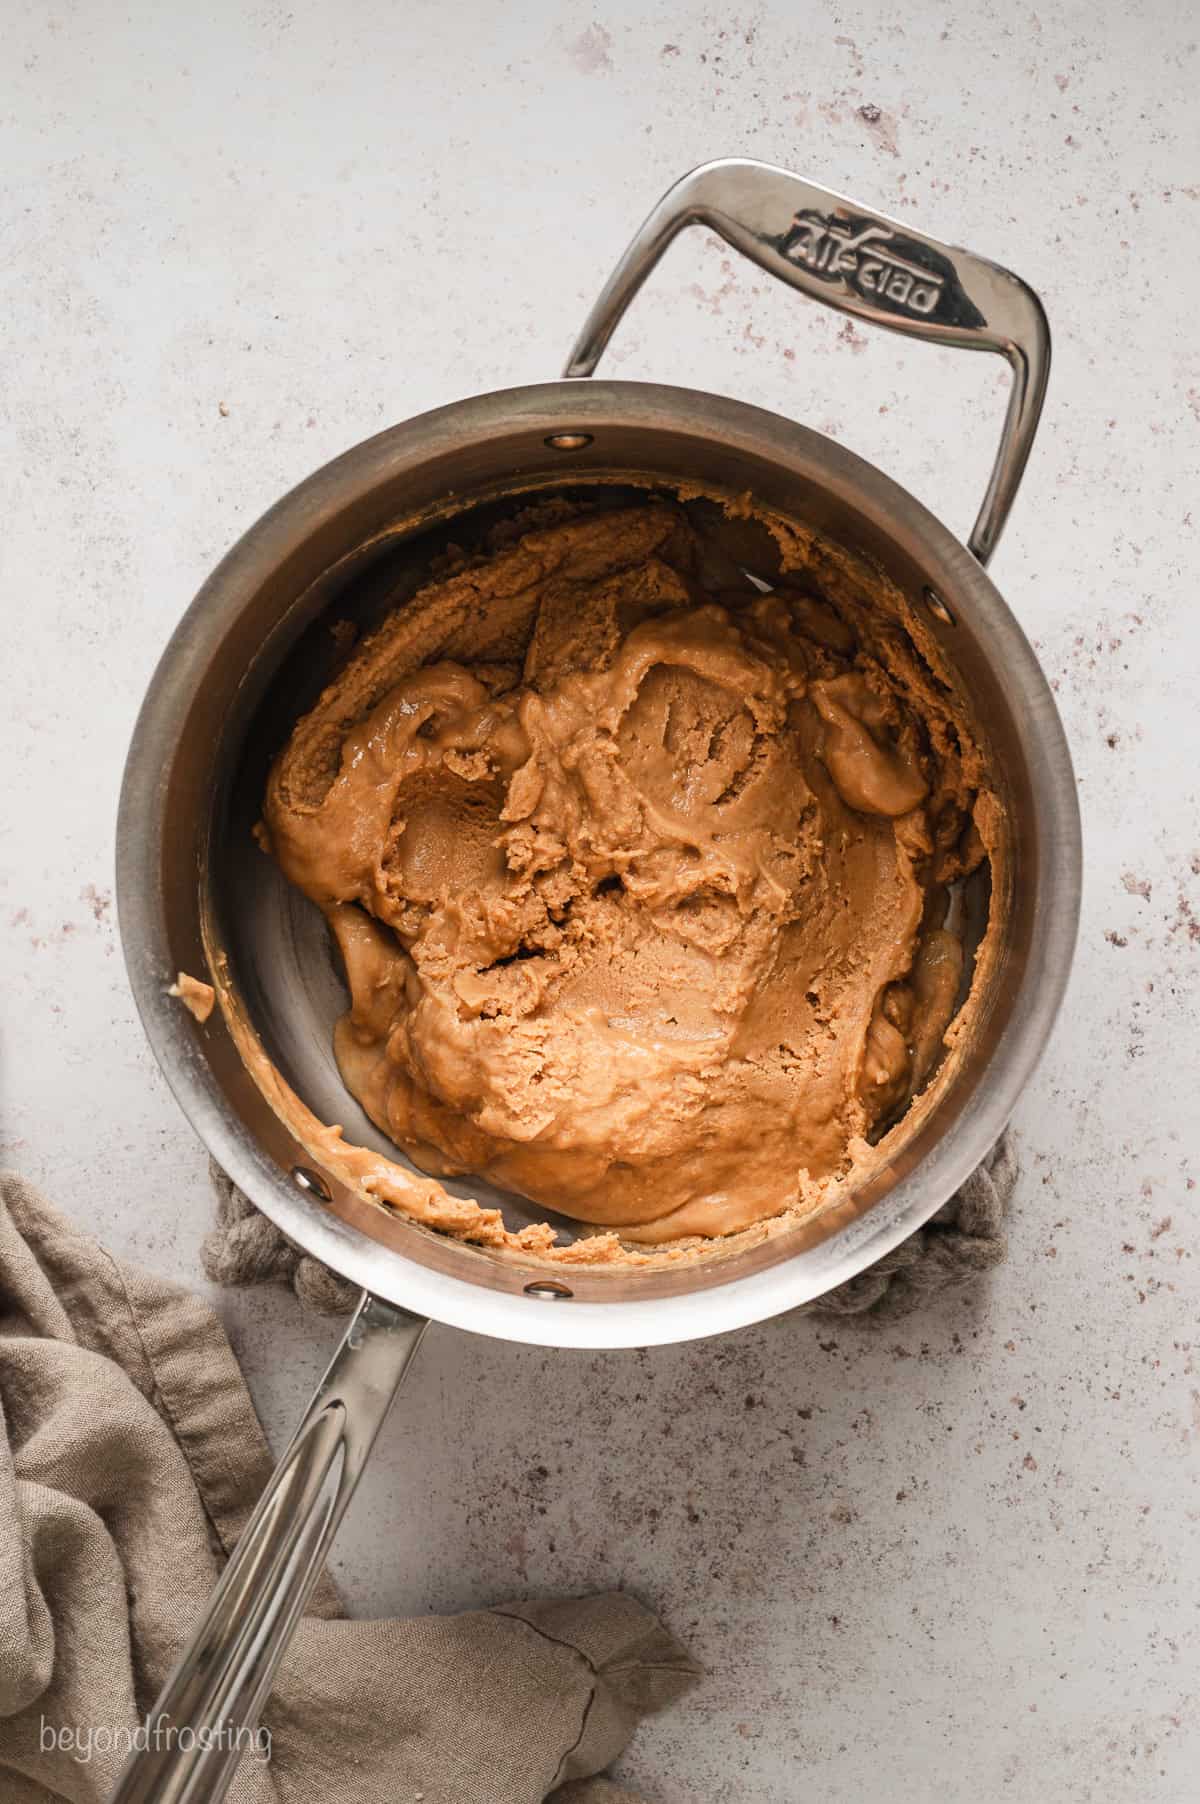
(130, 1459)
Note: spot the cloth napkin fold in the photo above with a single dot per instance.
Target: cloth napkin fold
(130, 1459)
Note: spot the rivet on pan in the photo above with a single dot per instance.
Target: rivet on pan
(937, 606)
(568, 441)
(312, 1181)
(545, 1287)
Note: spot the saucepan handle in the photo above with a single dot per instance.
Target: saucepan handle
(209, 1708)
(862, 263)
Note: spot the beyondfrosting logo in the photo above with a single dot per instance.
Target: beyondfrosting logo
(83, 1741)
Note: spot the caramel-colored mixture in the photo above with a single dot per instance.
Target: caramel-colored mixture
(640, 888)
(196, 996)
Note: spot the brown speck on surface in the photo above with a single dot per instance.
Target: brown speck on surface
(1061, 82)
(517, 1550)
(223, 409)
(1135, 885)
(1116, 939)
(1185, 921)
(1029, 1463)
(590, 50)
(98, 900)
(882, 126)
(1160, 1228)
(849, 44)
(196, 995)
(848, 334)
(669, 50)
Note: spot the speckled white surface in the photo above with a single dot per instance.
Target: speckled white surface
(953, 1559)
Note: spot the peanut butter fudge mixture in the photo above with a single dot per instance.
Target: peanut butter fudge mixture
(639, 879)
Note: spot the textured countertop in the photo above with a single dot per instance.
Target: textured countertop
(956, 1557)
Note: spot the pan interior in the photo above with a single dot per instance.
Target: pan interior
(281, 957)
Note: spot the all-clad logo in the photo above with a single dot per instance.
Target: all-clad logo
(867, 257)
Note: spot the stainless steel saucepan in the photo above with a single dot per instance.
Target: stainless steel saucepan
(254, 649)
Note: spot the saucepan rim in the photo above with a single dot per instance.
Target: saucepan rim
(455, 1299)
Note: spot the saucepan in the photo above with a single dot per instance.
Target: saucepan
(195, 895)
